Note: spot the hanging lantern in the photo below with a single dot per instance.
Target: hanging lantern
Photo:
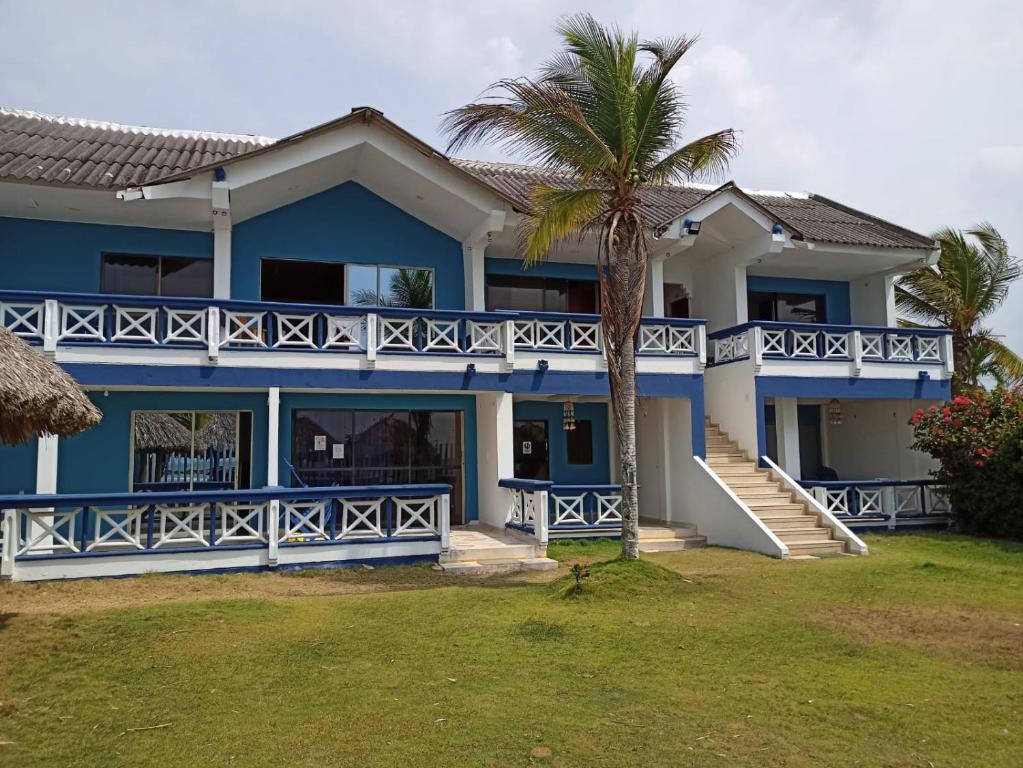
(568, 416)
(835, 413)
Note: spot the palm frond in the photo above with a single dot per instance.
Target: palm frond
(556, 214)
(707, 155)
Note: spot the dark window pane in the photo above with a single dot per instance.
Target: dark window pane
(531, 450)
(515, 292)
(583, 297)
(202, 450)
(555, 295)
(579, 442)
(302, 282)
(186, 277)
(135, 275)
(760, 306)
(676, 300)
(382, 439)
(800, 308)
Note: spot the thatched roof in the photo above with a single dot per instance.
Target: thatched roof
(37, 397)
(161, 430)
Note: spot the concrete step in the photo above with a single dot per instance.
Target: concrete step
(753, 480)
(725, 454)
(773, 499)
(482, 554)
(721, 441)
(672, 544)
(762, 488)
(729, 462)
(799, 535)
(788, 522)
(498, 567)
(654, 531)
(736, 468)
(817, 548)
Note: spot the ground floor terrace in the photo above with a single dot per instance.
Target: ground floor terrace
(190, 480)
(715, 657)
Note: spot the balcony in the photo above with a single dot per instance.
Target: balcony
(804, 349)
(102, 328)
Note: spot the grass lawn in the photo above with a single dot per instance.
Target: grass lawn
(910, 657)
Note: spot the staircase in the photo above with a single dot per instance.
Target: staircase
(658, 537)
(479, 550)
(788, 517)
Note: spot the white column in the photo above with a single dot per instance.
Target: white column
(221, 205)
(473, 255)
(495, 447)
(46, 464)
(786, 421)
(273, 430)
(653, 301)
(741, 302)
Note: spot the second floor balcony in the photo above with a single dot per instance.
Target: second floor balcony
(142, 330)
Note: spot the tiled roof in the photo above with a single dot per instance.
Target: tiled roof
(86, 153)
(809, 216)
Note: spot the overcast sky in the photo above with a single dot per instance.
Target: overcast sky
(910, 110)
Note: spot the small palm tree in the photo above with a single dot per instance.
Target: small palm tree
(970, 281)
(408, 289)
(604, 111)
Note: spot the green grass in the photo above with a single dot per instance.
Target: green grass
(910, 657)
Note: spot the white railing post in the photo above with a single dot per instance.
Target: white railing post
(856, 344)
(273, 536)
(9, 523)
(889, 504)
(540, 520)
(756, 347)
(445, 522)
(948, 355)
(509, 343)
(701, 345)
(51, 325)
(213, 334)
(371, 339)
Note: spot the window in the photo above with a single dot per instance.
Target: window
(381, 286)
(191, 450)
(137, 275)
(380, 447)
(676, 300)
(787, 307)
(579, 442)
(302, 282)
(525, 293)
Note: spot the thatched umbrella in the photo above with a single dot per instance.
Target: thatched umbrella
(37, 397)
(156, 430)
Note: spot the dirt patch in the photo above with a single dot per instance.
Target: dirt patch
(978, 635)
(85, 595)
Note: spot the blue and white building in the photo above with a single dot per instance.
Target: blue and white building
(238, 309)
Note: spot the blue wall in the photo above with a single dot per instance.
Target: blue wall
(18, 468)
(347, 224)
(543, 269)
(836, 293)
(99, 459)
(464, 403)
(64, 256)
(597, 473)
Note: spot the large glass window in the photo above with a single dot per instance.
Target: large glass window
(191, 450)
(372, 285)
(787, 307)
(676, 300)
(302, 282)
(380, 447)
(526, 293)
(139, 275)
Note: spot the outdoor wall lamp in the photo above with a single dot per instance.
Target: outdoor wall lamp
(691, 227)
(470, 369)
(542, 366)
(835, 413)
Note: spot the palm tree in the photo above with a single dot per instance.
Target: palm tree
(970, 281)
(604, 110)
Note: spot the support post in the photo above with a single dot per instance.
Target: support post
(856, 342)
(541, 521)
(755, 340)
(371, 339)
(220, 199)
(701, 346)
(9, 527)
(949, 355)
(273, 429)
(445, 523)
(495, 444)
(213, 334)
(51, 326)
(509, 343)
(786, 419)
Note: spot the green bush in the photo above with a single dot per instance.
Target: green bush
(978, 441)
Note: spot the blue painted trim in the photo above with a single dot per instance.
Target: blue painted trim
(493, 266)
(835, 293)
(549, 382)
(522, 484)
(852, 388)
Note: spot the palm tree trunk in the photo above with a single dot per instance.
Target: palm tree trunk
(625, 427)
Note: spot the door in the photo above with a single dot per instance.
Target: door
(531, 460)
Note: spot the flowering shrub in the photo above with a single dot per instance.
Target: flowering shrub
(978, 441)
(580, 571)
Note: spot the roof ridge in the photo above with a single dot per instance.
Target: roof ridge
(180, 133)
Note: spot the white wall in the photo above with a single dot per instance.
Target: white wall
(872, 300)
(718, 290)
(731, 401)
(495, 446)
(873, 441)
(664, 441)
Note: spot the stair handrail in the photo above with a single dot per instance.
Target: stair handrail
(838, 529)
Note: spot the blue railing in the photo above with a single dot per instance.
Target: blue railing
(107, 319)
(764, 340)
(83, 525)
(880, 501)
(567, 508)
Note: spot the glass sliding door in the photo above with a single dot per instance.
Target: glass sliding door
(380, 447)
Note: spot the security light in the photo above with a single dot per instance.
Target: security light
(691, 227)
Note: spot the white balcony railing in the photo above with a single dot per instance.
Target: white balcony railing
(53, 320)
